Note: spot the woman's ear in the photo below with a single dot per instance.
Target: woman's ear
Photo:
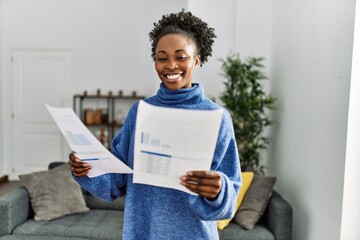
(197, 61)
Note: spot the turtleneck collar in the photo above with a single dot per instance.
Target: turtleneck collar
(192, 95)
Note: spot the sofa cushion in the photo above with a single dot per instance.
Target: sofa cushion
(255, 202)
(94, 224)
(247, 178)
(54, 193)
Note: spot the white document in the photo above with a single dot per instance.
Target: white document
(169, 142)
(85, 144)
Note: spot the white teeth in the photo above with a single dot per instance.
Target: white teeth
(173, 76)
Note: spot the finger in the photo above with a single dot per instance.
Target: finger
(207, 178)
(215, 182)
(203, 174)
(79, 164)
(198, 185)
(209, 187)
(199, 188)
(204, 191)
(79, 171)
(73, 157)
(82, 174)
(75, 161)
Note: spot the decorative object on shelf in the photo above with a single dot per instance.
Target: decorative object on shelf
(104, 115)
(89, 116)
(102, 136)
(98, 116)
(85, 93)
(110, 93)
(134, 93)
(120, 93)
(98, 92)
(249, 106)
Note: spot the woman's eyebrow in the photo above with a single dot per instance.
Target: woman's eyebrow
(161, 51)
(178, 50)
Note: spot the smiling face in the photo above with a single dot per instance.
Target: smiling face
(175, 59)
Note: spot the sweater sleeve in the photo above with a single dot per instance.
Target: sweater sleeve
(112, 185)
(226, 161)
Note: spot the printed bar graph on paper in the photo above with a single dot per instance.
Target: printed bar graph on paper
(155, 142)
(145, 138)
(83, 140)
(72, 138)
(77, 139)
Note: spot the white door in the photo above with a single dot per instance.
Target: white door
(39, 76)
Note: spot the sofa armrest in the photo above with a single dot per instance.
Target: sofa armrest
(96, 203)
(14, 209)
(278, 217)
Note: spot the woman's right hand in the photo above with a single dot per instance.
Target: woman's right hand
(77, 167)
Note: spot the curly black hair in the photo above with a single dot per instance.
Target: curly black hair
(184, 23)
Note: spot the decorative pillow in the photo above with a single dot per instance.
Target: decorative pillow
(255, 201)
(247, 178)
(54, 193)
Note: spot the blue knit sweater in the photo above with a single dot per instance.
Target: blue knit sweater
(162, 213)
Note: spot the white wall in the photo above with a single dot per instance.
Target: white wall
(242, 27)
(312, 48)
(109, 38)
(351, 210)
(235, 34)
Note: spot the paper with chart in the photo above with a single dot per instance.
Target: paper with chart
(169, 142)
(85, 144)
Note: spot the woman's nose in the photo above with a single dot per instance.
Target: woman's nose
(172, 65)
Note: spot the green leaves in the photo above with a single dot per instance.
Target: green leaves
(247, 102)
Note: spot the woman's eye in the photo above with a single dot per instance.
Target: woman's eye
(162, 59)
(182, 57)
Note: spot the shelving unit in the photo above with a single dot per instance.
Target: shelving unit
(107, 120)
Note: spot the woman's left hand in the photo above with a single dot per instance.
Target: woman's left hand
(205, 183)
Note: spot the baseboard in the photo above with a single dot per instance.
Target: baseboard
(4, 179)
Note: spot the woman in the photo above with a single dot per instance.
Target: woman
(180, 42)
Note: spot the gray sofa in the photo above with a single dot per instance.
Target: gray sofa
(104, 221)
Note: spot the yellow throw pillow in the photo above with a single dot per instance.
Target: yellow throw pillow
(247, 178)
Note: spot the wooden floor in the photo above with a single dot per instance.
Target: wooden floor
(7, 186)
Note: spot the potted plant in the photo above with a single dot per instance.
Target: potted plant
(249, 107)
